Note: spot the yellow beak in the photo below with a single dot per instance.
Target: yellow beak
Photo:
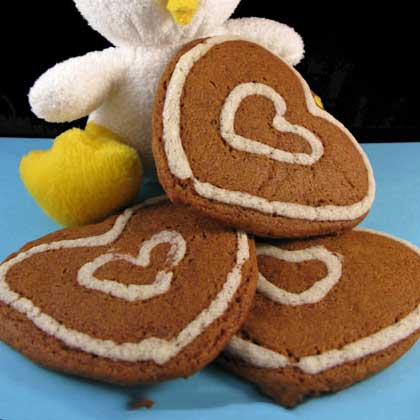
(183, 11)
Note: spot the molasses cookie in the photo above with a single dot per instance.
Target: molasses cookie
(239, 137)
(328, 313)
(151, 294)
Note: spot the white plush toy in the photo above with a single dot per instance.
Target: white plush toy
(116, 88)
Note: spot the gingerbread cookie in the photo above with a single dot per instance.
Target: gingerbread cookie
(152, 294)
(328, 313)
(237, 135)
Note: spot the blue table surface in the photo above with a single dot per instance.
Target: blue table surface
(29, 392)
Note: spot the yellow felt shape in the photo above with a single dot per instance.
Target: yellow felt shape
(183, 11)
(85, 176)
(319, 102)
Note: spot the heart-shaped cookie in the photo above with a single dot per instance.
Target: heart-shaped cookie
(238, 136)
(359, 316)
(141, 297)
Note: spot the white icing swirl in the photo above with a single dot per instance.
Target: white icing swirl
(133, 292)
(153, 349)
(228, 132)
(264, 358)
(180, 167)
(310, 296)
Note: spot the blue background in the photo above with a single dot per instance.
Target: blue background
(29, 392)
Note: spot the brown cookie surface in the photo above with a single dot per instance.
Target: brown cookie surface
(152, 294)
(238, 136)
(328, 313)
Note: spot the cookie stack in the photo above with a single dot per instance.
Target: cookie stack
(163, 289)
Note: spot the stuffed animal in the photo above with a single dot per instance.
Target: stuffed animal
(90, 173)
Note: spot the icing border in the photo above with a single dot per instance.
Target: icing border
(264, 358)
(180, 168)
(151, 349)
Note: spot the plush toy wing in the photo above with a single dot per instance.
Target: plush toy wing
(277, 37)
(76, 87)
